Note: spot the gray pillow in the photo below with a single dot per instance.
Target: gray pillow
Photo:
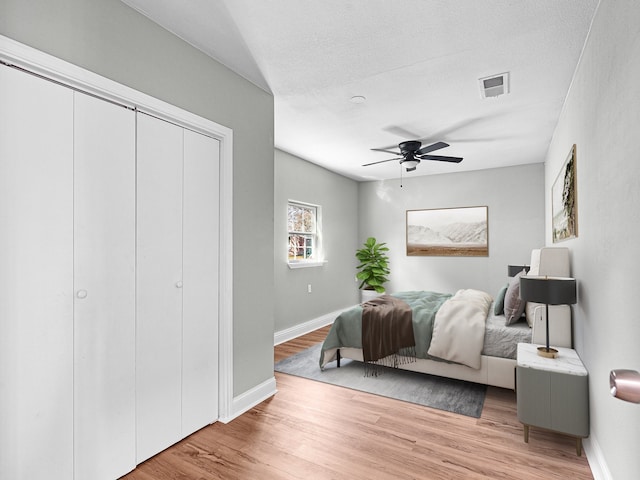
(513, 304)
(498, 305)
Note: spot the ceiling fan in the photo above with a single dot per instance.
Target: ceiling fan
(412, 152)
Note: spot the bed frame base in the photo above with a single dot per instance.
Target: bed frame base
(494, 371)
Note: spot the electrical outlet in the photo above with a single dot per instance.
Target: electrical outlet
(309, 288)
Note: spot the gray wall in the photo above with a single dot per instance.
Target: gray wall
(109, 38)
(333, 285)
(515, 199)
(601, 117)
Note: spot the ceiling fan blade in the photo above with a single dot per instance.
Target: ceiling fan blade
(401, 132)
(386, 151)
(431, 148)
(381, 161)
(440, 158)
(462, 125)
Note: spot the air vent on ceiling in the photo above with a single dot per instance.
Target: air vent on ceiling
(494, 85)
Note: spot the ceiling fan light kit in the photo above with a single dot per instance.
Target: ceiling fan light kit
(410, 164)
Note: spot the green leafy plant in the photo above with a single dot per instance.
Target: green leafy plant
(374, 265)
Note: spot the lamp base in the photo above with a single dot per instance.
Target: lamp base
(547, 352)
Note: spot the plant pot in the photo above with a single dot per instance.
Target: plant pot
(366, 295)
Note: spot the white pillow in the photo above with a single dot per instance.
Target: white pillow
(534, 265)
(559, 325)
(529, 312)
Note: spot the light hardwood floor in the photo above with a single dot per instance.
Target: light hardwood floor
(313, 431)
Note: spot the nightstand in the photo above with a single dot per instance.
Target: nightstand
(553, 393)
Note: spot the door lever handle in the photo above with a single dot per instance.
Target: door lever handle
(625, 385)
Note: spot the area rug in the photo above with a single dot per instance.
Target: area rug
(457, 396)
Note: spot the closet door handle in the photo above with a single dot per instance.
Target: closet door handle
(81, 294)
(178, 284)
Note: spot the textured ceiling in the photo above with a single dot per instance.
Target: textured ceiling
(417, 63)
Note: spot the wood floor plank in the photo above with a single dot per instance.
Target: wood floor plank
(314, 431)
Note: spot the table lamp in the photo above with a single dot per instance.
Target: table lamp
(550, 291)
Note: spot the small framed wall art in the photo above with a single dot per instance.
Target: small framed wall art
(564, 201)
(458, 232)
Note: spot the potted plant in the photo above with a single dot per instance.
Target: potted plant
(373, 268)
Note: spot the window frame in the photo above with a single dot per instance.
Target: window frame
(315, 237)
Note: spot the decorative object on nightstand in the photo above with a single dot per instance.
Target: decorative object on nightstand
(550, 291)
(553, 394)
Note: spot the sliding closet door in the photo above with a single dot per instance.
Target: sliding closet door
(159, 286)
(200, 266)
(104, 287)
(36, 278)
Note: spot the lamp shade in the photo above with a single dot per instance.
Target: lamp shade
(549, 290)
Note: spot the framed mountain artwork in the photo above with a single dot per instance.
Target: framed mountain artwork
(458, 232)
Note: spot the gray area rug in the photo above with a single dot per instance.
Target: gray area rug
(457, 396)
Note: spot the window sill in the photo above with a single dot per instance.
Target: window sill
(303, 264)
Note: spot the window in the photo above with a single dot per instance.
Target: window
(303, 222)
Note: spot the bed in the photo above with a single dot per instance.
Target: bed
(461, 335)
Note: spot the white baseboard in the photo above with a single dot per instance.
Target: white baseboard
(306, 327)
(596, 459)
(249, 399)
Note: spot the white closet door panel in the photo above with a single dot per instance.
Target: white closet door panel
(36, 278)
(200, 272)
(159, 281)
(104, 285)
